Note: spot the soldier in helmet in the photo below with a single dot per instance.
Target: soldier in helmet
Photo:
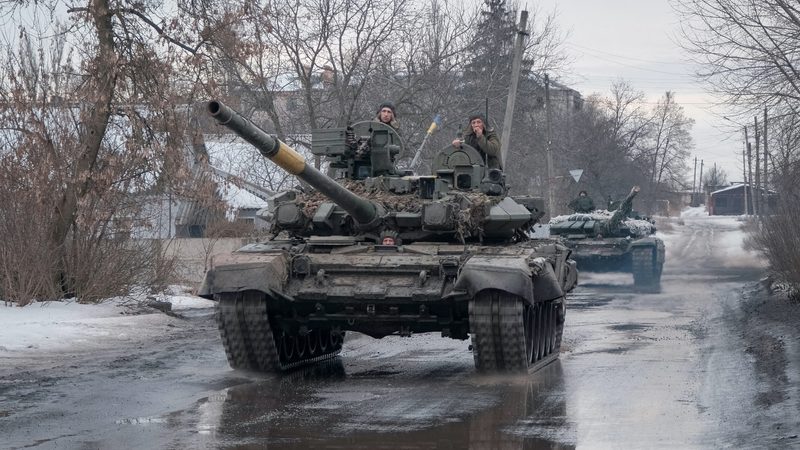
(484, 139)
(387, 115)
(582, 204)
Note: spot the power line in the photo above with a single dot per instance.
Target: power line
(633, 66)
(618, 55)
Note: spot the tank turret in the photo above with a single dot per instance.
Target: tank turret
(603, 223)
(613, 226)
(462, 201)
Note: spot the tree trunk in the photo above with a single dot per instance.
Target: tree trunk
(95, 117)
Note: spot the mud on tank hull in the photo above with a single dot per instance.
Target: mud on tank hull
(644, 258)
(285, 304)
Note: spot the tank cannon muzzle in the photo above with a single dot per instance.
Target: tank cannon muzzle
(365, 213)
(624, 209)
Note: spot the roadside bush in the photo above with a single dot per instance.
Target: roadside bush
(101, 260)
(778, 234)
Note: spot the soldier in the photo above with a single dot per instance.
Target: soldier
(483, 139)
(582, 204)
(386, 114)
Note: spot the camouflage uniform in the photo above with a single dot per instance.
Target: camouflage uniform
(582, 204)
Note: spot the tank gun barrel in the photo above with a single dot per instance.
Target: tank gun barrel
(363, 211)
(624, 209)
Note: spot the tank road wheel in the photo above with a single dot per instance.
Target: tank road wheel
(323, 338)
(287, 348)
(646, 272)
(312, 342)
(511, 335)
(245, 331)
(300, 346)
(337, 340)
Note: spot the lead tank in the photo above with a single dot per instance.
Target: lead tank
(384, 253)
(606, 241)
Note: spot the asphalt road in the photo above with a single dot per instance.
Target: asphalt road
(707, 363)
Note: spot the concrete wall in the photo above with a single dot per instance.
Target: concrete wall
(194, 254)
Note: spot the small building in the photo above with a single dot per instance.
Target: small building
(730, 201)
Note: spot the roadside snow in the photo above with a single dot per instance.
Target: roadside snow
(729, 237)
(697, 211)
(68, 326)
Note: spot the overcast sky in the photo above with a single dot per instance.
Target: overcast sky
(636, 41)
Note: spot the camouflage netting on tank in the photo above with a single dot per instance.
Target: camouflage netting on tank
(471, 214)
(390, 201)
(637, 227)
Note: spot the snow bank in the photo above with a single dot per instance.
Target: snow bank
(58, 326)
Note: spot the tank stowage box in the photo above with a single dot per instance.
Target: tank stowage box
(379, 252)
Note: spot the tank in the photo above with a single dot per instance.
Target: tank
(614, 241)
(382, 252)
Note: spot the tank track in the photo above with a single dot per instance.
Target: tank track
(511, 335)
(646, 273)
(251, 343)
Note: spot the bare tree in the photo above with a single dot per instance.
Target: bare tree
(747, 48)
(92, 107)
(668, 145)
(630, 120)
(715, 178)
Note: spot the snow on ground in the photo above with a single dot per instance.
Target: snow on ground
(696, 211)
(730, 237)
(66, 326)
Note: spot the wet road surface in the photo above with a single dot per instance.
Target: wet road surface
(689, 367)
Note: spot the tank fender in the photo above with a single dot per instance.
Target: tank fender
(506, 274)
(570, 275)
(246, 271)
(546, 283)
(646, 242)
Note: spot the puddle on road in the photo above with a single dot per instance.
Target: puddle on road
(587, 301)
(630, 327)
(386, 409)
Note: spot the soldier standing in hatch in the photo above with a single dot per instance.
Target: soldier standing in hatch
(386, 115)
(483, 139)
(582, 204)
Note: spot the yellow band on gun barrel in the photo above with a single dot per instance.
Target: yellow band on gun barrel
(289, 160)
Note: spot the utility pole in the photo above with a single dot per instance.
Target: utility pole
(744, 173)
(694, 181)
(766, 159)
(548, 150)
(757, 197)
(749, 179)
(716, 177)
(701, 182)
(519, 47)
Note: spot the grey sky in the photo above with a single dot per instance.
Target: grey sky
(636, 41)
